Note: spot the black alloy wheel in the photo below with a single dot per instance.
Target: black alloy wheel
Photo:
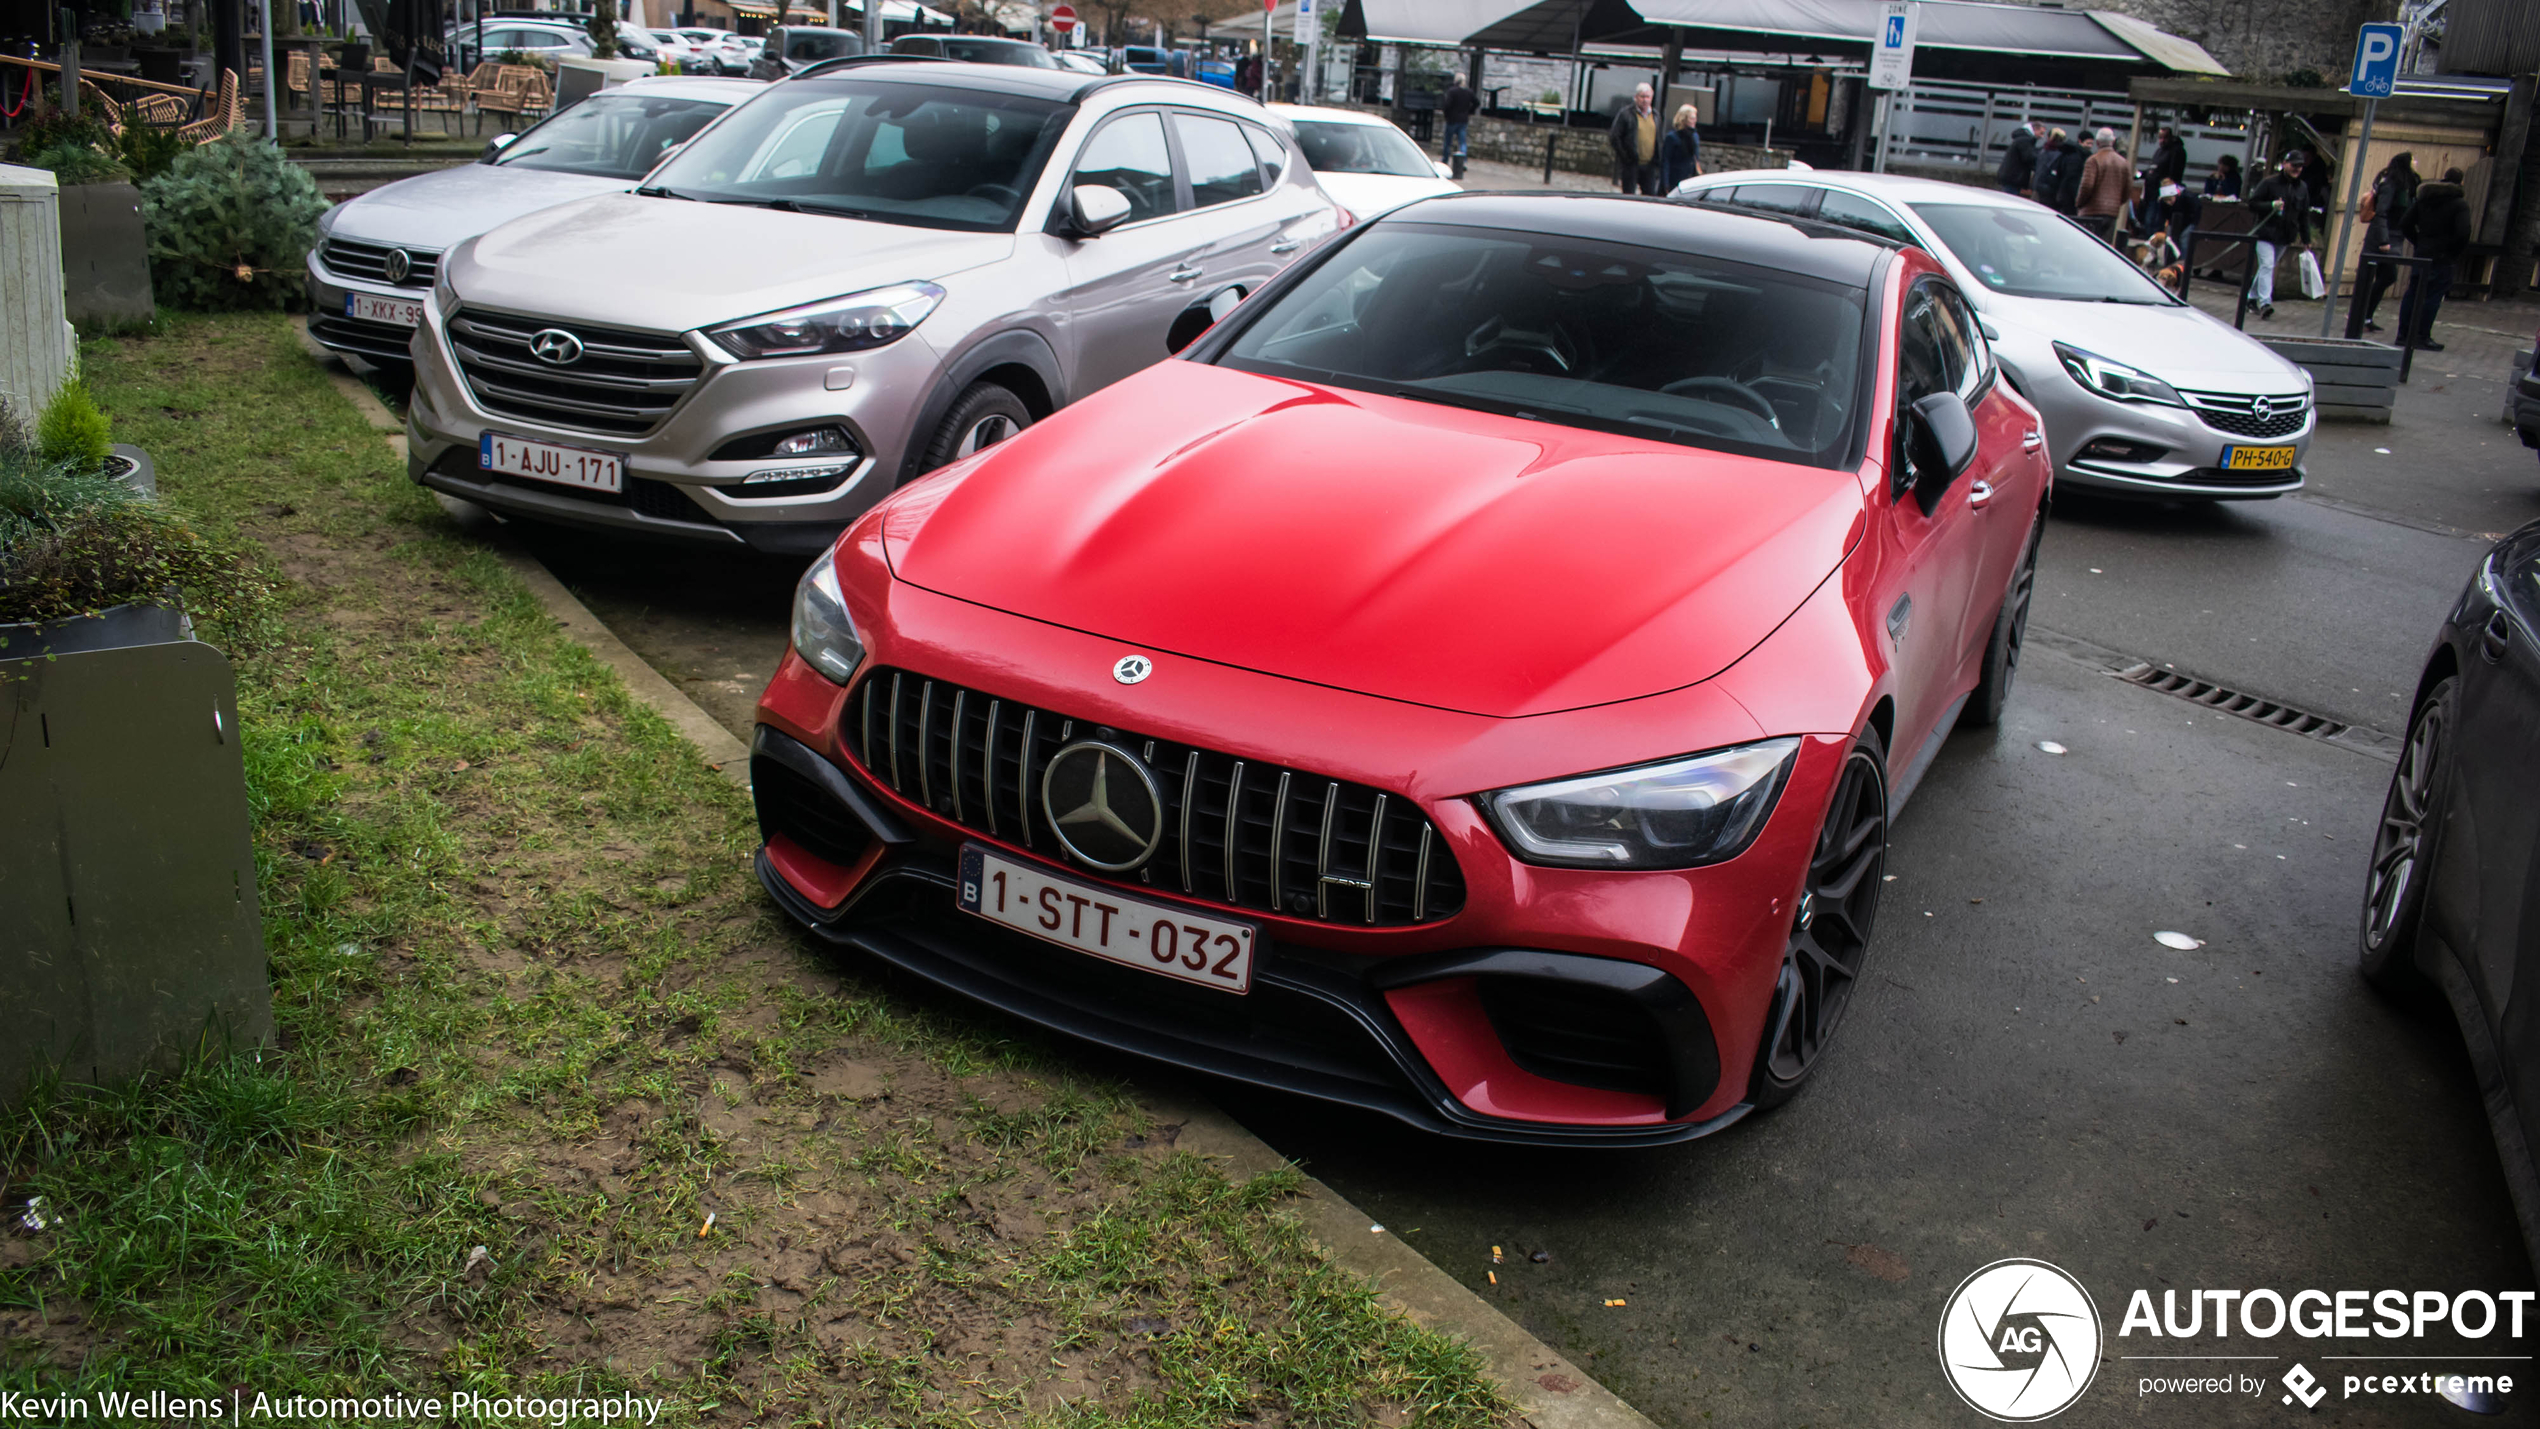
(983, 416)
(2394, 885)
(2010, 636)
(1830, 930)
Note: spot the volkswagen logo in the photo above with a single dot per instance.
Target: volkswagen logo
(2261, 407)
(1132, 669)
(396, 265)
(1104, 805)
(555, 347)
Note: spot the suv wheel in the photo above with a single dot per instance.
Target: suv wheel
(982, 417)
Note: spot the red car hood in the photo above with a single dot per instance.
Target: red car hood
(1444, 557)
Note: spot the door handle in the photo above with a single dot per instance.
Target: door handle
(1980, 493)
(2033, 440)
(2492, 640)
(1183, 274)
(1287, 245)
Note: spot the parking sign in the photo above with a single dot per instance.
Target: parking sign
(1892, 62)
(2376, 61)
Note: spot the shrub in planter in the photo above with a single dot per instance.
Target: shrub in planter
(231, 223)
(72, 433)
(75, 542)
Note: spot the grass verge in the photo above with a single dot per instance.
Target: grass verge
(558, 1105)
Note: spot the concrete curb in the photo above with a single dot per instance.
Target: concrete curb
(1549, 1391)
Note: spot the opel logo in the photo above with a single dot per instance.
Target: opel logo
(396, 265)
(555, 347)
(1132, 669)
(1104, 805)
(2262, 408)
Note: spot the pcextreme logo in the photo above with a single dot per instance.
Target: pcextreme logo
(2019, 1340)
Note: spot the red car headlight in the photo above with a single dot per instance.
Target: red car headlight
(824, 634)
(1705, 808)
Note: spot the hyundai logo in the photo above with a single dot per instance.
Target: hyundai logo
(2261, 408)
(555, 347)
(396, 265)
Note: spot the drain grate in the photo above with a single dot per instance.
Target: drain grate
(2230, 701)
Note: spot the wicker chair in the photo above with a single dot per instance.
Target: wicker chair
(159, 111)
(226, 110)
(520, 92)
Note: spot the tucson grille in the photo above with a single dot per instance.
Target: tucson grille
(1236, 831)
(369, 261)
(2237, 413)
(622, 383)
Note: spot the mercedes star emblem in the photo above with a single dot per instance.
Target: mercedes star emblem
(1104, 804)
(396, 265)
(555, 347)
(1132, 668)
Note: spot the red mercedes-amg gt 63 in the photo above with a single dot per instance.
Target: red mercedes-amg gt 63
(1473, 683)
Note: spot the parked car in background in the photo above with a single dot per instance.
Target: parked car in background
(976, 49)
(2143, 395)
(1082, 61)
(1474, 686)
(1145, 59)
(913, 260)
(2452, 893)
(719, 48)
(795, 48)
(378, 253)
(548, 40)
(676, 50)
(1363, 161)
(2522, 396)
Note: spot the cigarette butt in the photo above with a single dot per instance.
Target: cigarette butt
(708, 1226)
(1494, 1255)
(1494, 1276)
(1613, 1304)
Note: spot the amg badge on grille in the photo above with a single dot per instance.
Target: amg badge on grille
(1104, 804)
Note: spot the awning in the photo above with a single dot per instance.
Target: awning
(1970, 26)
(1428, 22)
(2177, 55)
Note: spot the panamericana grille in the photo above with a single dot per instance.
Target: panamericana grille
(369, 261)
(1235, 831)
(624, 383)
(2237, 413)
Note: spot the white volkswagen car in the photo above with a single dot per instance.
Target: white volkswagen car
(2142, 394)
(1366, 164)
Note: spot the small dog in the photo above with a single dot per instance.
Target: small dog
(2159, 256)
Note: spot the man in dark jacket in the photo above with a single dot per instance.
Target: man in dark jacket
(2068, 175)
(2052, 158)
(2282, 202)
(2437, 228)
(1457, 110)
(2169, 169)
(2019, 162)
(1635, 137)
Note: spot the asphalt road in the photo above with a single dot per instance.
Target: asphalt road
(2028, 1072)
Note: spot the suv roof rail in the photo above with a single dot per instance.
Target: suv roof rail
(848, 61)
(1109, 81)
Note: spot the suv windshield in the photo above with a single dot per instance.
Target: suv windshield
(611, 135)
(2034, 254)
(1361, 149)
(1586, 333)
(932, 156)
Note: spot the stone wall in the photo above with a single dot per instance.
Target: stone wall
(1585, 151)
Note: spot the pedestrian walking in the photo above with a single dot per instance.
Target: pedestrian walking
(2166, 184)
(2052, 157)
(2068, 175)
(2107, 186)
(2394, 191)
(1680, 158)
(1635, 138)
(2438, 229)
(2283, 205)
(1457, 109)
(2019, 161)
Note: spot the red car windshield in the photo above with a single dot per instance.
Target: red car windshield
(1670, 346)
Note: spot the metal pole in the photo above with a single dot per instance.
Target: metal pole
(272, 127)
(1887, 111)
(2346, 221)
(872, 24)
(70, 63)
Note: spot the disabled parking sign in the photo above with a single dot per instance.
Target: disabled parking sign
(1892, 61)
(2376, 61)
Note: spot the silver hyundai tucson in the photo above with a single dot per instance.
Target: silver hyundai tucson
(2141, 394)
(869, 270)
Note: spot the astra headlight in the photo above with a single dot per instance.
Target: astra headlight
(854, 323)
(824, 635)
(1705, 808)
(2115, 380)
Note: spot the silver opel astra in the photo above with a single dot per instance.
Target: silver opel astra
(872, 268)
(2141, 394)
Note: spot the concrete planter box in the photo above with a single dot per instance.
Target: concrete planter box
(105, 255)
(2357, 381)
(128, 923)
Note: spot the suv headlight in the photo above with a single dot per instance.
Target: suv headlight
(2115, 380)
(1705, 808)
(850, 324)
(823, 633)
